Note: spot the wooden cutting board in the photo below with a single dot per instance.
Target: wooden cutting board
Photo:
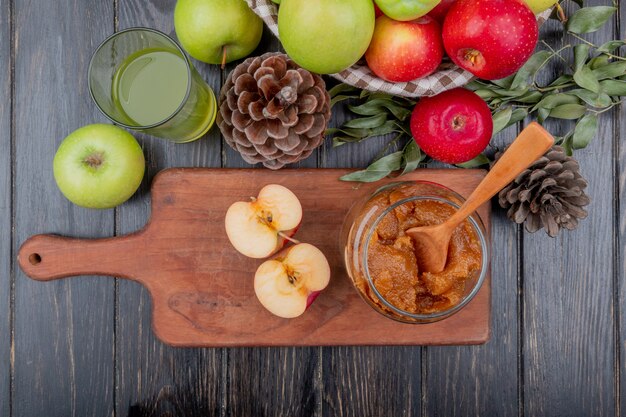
(202, 289)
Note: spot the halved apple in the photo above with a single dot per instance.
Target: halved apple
(289, 283)
(260, 227)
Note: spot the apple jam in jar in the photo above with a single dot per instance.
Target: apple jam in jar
(380, 257)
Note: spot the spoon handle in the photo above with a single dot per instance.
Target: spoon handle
(530, 145)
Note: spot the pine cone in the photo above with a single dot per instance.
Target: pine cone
(549, 194)
(272, 111)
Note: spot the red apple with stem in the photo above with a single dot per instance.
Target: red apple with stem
(441, 10)
(289, 283)
(453, 127)
(405, 51)
(492, 39)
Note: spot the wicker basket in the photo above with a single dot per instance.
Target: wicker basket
(359, 75)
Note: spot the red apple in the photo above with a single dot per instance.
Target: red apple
(289, 283)
(377, 10)
(262, 226)
(453, 127)
(491, 39)
(405, 51)
(441, 10)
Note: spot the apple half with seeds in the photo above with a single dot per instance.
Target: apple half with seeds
(288, 284)
(260, 227)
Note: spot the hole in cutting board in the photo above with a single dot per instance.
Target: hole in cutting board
(34, 259)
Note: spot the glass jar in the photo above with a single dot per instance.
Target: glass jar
(380, 259)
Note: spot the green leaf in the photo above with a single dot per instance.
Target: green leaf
(612, 70)
(561, 80)
(377, 170)
(542, 114)
(367, 122)
(581, 53)
(611, 46)
(555, 99)
(486, 94)
(517, 116)
(399, 111)
(584, 77)
(501, 119)
(338, 99)
(369, 108)
(343, 88)
(598, 62)
(530, 97)
(596, 100)
(411, 157)
(589, 19)
(568, 111)
(476, 84)
(529, 69)
(480, 160)
(613, 87)
(504, 82)
(585, 131)
(566, 143)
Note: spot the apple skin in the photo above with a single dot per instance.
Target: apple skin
(205, 27)
(405, 10)
(377, 11)
(441, 10)
(405, 51)
(109, 184)
(326, 36)
(538, 6)
(491, 39)
(453, 127)
(312, 297)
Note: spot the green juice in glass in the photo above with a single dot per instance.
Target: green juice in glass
(150, 87)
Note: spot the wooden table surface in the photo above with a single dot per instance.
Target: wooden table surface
(84, 346)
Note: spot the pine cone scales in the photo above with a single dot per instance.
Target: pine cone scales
(273, 111)
(549, 194)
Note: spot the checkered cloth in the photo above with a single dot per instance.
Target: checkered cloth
(359, 75)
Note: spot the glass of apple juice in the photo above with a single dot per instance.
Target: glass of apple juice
(142, 80)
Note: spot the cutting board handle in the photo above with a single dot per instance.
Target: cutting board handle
(48, 257)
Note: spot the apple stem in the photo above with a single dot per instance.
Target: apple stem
(223, 57)
(561, 13)
(284, 236)
(94, 160)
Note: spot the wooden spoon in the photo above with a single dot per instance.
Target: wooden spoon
(431, 242)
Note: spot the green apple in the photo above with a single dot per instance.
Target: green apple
(99, 166)
(217, 31)
(405, 10)
(538, 6)
(326, 36)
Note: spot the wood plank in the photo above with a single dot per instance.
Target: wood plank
(619, 150)
(483, 380)
(568, 309)
(64, 330)
(372, 382)
(153, 378)
(6, 222)
(356, 380)
(272, 382)
(287, 370)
